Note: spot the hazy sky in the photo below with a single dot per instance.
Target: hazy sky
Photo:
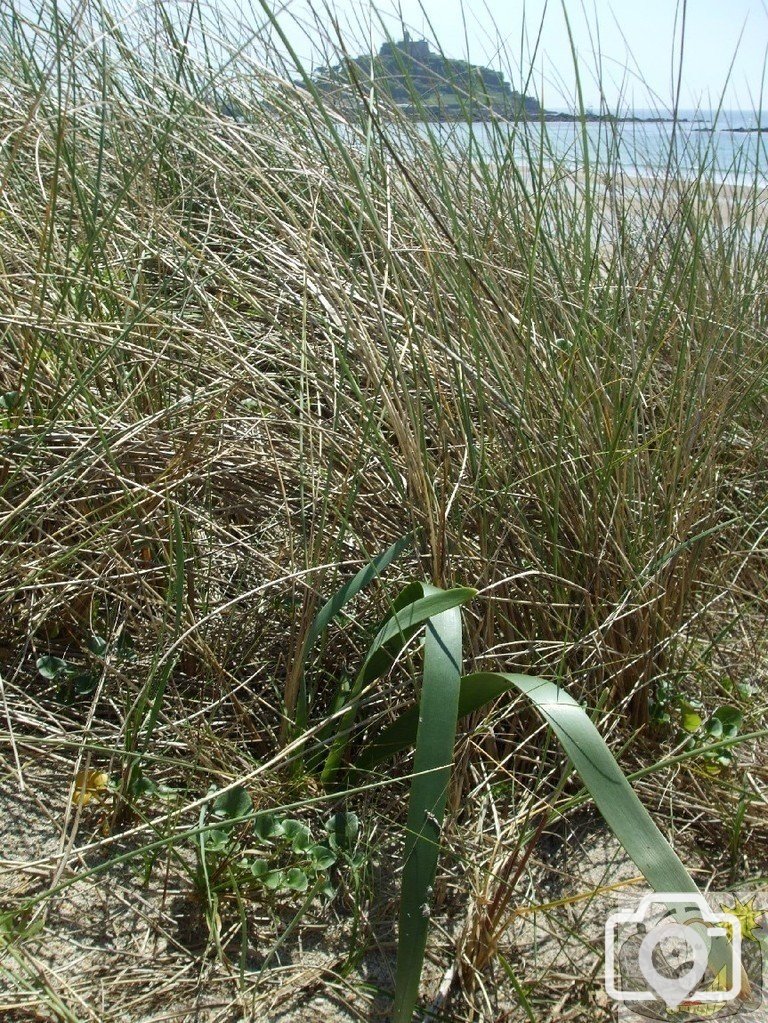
(637, 41)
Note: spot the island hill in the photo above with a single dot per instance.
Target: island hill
(428, 86)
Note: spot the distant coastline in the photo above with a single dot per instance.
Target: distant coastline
(548, 116)
(428, 86)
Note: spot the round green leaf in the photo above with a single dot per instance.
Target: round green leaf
(322, 856)
(690, 718)
(715, 728)
(51, 667)
(343, 829)
(216, 840)
(9, 400)
(85, 683)
(266, 827)
(259, 869)
(232, 804)
(296, 880)
(274, 879)
(731, 720)
(298, 834)
(97, 645)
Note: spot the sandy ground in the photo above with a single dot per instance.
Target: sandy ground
(117, 947)
(663, 199)
(131, 945)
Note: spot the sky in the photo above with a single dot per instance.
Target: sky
(636, 43)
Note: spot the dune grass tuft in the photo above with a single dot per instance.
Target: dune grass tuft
(252, 339)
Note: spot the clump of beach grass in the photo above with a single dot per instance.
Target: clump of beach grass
(251, 339)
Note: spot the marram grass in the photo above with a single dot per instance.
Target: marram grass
(250, 341)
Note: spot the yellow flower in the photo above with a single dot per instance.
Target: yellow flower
(750, 917)
(89, 785)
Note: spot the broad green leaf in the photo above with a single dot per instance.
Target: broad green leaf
(266, 827)
(343, 829)
(435, 740)
(125, 650)
(273, 880)
(51, 667)
(380, 662)
(435, 602)
(350, 589)
(613, 795)
(97, 645)
(298, 834)
(84, 682)
(322, 856)
(714, 728)
(232, 804)
(690, 718)
(140, 785)
(731, 720)
(474, 693)
(216, 840)
(296, 880)
(381, 659)
(9, 400)
(259, 869)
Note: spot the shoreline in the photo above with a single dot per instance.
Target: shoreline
(726, 178)
(550, 117)
(730, 202)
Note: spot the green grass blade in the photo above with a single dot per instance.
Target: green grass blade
(523, 1000)
(334, 605)
(474, 693)
(613, 795)
(429, 790)
(401, 624)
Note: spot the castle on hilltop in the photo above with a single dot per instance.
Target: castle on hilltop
(417, 50)
(427, 85)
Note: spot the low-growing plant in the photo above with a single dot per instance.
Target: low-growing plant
(77, 680)
(267, 854)
(723, 723)
(696, 728)
(429, 727)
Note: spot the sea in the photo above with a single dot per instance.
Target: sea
(723, 144)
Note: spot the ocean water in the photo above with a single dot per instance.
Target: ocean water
(698, 140)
